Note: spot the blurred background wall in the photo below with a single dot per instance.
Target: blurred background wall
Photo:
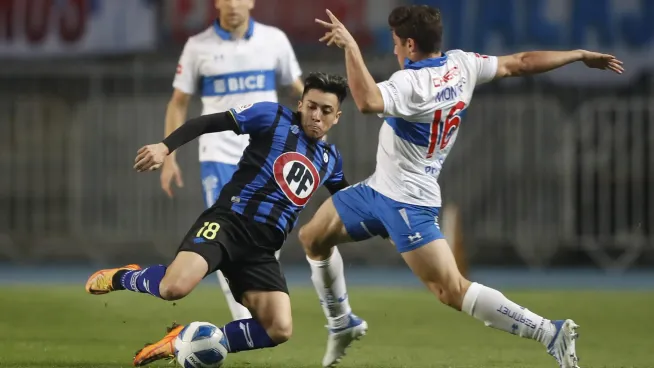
(550, 171)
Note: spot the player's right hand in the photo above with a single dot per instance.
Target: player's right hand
(150, 157)
(170, 171)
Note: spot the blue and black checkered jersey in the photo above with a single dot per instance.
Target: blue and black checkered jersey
(280, 169)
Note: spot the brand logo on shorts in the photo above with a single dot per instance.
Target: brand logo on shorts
(415, 238)
(297, 176)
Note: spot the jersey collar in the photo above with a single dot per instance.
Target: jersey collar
(227, 36)
(425, 63)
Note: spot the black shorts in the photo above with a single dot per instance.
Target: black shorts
(242, 249)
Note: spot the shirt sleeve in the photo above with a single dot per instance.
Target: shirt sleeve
(337, 180)
(398, 93)
(485, 66)
(186, 75)
(288, 68)
(255, 118)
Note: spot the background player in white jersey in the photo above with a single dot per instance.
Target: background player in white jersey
(236, 61)
(422, 106)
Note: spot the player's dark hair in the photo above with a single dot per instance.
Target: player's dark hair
(422, 23)
(329, 83)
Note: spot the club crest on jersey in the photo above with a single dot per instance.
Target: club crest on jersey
(243, 108)
(297, 176)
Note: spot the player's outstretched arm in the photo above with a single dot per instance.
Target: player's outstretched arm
(151, 157)
(535, 62)
(364, 90)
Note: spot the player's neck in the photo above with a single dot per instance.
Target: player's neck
(419, 57)
(237, 32)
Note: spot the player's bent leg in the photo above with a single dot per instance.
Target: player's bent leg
(435, 265)
(319, 237)
(323, 232)
(168, 283)
(183, 275)
(271, 312)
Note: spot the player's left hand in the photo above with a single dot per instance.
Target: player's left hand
(337, 34)
(150, 157)
(596, 60)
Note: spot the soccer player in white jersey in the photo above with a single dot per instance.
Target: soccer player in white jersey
(236, 61)
(422, 106)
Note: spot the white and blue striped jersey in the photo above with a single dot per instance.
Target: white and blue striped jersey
(228, 73)
(423, 107)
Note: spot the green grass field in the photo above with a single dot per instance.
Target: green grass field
(63, 327)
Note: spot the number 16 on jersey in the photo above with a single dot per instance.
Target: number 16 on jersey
(442, 129)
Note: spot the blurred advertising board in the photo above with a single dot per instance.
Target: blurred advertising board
(53, 28)
(365, 18)
(624, 28)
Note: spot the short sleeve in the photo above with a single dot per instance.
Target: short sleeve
(186, 76)
(337, 175)
(397, 93)
(255, 118)
(484, 65)
(288, 68)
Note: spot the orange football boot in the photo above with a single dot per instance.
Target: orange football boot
(163, 349)
(101, 281)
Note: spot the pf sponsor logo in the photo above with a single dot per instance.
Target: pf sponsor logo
(297, 177)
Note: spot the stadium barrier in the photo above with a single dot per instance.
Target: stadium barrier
(528, 178)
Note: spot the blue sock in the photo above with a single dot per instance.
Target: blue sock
(246, 334)
(144, 281)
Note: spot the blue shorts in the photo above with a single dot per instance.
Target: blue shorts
(367, 213)
(214, 176)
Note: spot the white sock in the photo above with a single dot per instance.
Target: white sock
(237, 309)
(329, 280)
(495, 310)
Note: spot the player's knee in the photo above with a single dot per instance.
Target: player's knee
(280, 331)
(173, 289)
(451, 293)
(309, 240)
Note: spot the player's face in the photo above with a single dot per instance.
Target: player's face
(319, 111)
(233, 13)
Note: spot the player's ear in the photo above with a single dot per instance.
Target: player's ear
(411, 44)
(338, 116)
(251, 5)
(299, 105)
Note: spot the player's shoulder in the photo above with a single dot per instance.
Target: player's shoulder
(459, 55)
(201, 38)
(271, 32)
(465, 55)
(408, 75)
(258, 108)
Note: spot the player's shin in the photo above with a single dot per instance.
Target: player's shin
(497, 311)
(328, 278)
(246, 334)
(144, 281)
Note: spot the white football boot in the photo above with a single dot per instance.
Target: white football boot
(562, 347)
(340, 339)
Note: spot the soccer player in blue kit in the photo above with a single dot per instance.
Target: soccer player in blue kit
(422, 106)
(285, 163)
(223, 65)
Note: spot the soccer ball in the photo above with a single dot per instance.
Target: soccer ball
(200, 345)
